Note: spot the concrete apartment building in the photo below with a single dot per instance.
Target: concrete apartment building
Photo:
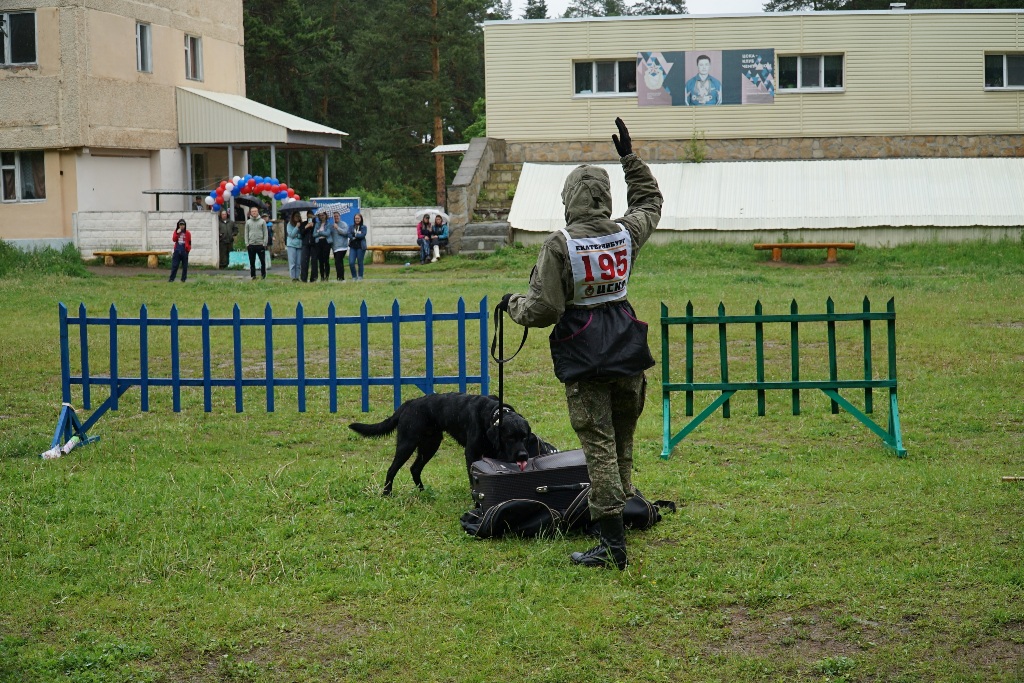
(879, 126)
(101, 101)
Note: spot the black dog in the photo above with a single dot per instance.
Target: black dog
(470, 419)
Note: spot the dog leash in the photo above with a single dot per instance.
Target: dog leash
(499, 340)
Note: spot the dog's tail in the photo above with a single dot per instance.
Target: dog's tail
(380, 429)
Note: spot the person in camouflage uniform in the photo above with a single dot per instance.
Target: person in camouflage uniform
(598, 346)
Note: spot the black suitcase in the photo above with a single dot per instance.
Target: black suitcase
(554, 479)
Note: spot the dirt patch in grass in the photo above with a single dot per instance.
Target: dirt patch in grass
(1003, 653)
(806, 636)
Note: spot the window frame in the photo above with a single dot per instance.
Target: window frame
(5, 40)
(594, 76)
(1006, 72)
(143, 57)
(190, 51)
(16, 166)
(800, 87)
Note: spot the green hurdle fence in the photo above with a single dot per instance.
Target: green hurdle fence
(891, 436)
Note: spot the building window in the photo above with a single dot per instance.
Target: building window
(193, 58)
(811, 72)
(604, 78)
(144, 48)
(1004, 71)
(18, 36)
(22, 176)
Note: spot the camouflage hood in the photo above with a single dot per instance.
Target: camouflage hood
(587, 195)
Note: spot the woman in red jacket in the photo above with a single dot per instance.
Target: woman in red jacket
(182, 245)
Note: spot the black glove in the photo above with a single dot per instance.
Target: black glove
(503, 304)
(623, 143)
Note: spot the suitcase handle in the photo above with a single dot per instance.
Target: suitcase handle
(562, 487)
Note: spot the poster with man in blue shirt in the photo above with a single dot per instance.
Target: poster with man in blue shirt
(704, 88)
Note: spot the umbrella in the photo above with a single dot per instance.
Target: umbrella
(296, 206)
(252, 201)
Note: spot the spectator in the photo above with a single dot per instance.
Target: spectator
(256, 243)
(323, 241)
(441, 233)
(182, 240)
(307, 249)
(339, 240)
(357, 247)
(227, 231)
(425, 237)
(270, 230)
(293, 242)
(197, 204)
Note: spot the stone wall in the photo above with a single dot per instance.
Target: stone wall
(145, 231)
(393, 225)
(776, 149)
(465, 188)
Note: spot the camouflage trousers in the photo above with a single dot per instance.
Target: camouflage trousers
(604, 414)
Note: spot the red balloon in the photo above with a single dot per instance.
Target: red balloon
(222, 184)
(251, 183)
(291, 192)
(283, 188)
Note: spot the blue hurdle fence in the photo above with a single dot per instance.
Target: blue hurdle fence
(273, 358)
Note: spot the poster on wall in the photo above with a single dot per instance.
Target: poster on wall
(705, 78)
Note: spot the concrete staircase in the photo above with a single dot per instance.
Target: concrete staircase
(489, 229)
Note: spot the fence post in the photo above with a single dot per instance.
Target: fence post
(83, 340)
(461, 316)
(144, 356)
(666, 396)
(364, 354)
(833, 363)
(794, 353)
(207, 393)
(396, 351)
(759, 353)
(485, 364)
(268, 345)
(236, 333)
(332, 356)
(300, 356)
(723, 352)
(175, 361)
(868, 372)
(428, 331)
(113, 358)
(65, 355)
(689, 357)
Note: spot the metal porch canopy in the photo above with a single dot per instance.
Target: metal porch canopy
(212, 118)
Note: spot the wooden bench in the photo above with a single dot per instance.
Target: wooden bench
(151, 256)
(379, 250)
(832, 248)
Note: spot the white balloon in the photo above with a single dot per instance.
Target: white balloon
(229, 187)
(209, 201)
(236, 179)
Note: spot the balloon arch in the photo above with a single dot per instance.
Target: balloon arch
(250, 185)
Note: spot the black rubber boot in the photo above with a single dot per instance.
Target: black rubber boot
(611, 552)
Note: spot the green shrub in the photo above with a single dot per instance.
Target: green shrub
(47, 261)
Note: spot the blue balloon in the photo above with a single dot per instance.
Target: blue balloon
(235, 192)
(213, 193)
(275, 181)
(247, 178)
(258, 179)
(216, 207)
(281, 195)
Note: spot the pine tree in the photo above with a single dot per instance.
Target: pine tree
(499, 9)
(614, 8)
(535, 9)
(653, 7)
(583, 8)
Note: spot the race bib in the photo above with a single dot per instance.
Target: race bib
(600, 266)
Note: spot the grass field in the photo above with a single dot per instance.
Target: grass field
(256, 547)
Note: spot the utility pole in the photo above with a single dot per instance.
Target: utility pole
(435, 68)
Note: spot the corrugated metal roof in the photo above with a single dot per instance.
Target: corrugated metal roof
(451, 149)
(206, 117)
(785, 195)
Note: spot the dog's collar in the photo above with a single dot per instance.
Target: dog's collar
(496, 413)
